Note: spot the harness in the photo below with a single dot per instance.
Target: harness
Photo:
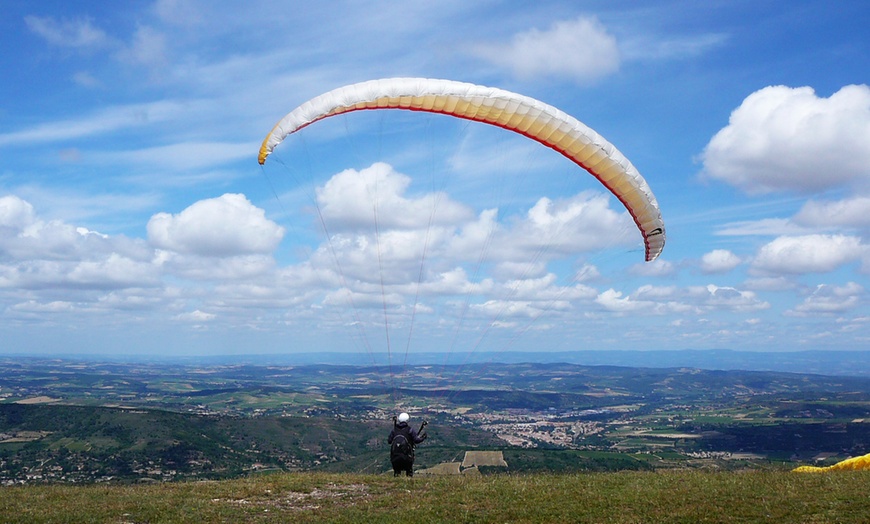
(402, 448)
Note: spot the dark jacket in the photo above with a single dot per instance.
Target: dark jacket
(404, 429)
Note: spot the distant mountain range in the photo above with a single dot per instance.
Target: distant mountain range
(835, 363)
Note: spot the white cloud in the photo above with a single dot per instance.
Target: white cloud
(580, 49)
(778, 283)
(26, 237)
(76, 204)
(543, 289)
(719, 261)
(658, 293)
(52, 255)
(178, 12)
(213, 268)
(789, 139)
(656, 268)
(180, 156)
(15, 213)
(808, 254)
(732, 299)
(113, 271)
(587, 273)
(636, 47)
(218, 227)
(520, 270)
(498, 310)
(86, 79)
(196, 316)
(378, 232)
(456, 282)
(53, 276)
(613, 300)
(763, 227)
(132, 299)
(850, 212)
(829, 300)
(148, 48)
(661, 300)
(99, 122)
(375, 196)
(32, 306)
(583, 222)
(79, 33)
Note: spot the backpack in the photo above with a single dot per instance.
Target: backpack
(401, 448)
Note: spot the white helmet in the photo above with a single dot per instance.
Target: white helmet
(404, 417)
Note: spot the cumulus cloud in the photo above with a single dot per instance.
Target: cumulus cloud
(113, 271)
(493, 264)
(544, 289)
(656, 268)
(586, 273)
(518, 270)
(377, 196)
(456, 282)
(581, 50)
(732, 299)
(828, 300)
(646, 299)
(378, 230)
(218, 227)
(808, 254)
(770, 283)
(24, 236)
(211, 268)
(578, 223)
(790, 139)
(499, 310)
(719, 261)
(659, 300)
(613, 300)
(196, 316)
(15, 213)
(39, 254)
(850, 212)
(107, 272)
(551, 228)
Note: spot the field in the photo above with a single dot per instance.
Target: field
(73, 422)
(624, 497)
(135, 443)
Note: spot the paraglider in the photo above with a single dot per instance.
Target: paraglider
(402, 440)
(514, 112)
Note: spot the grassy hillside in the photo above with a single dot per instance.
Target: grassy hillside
(87, 444)
(673, 496)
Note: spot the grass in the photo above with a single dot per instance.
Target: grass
(629, 497)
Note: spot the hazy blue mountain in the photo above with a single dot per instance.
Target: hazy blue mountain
(845, 363)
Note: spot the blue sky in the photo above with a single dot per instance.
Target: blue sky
(134, 218)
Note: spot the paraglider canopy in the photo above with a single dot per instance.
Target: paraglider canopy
(861, 463)
(518, 113)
